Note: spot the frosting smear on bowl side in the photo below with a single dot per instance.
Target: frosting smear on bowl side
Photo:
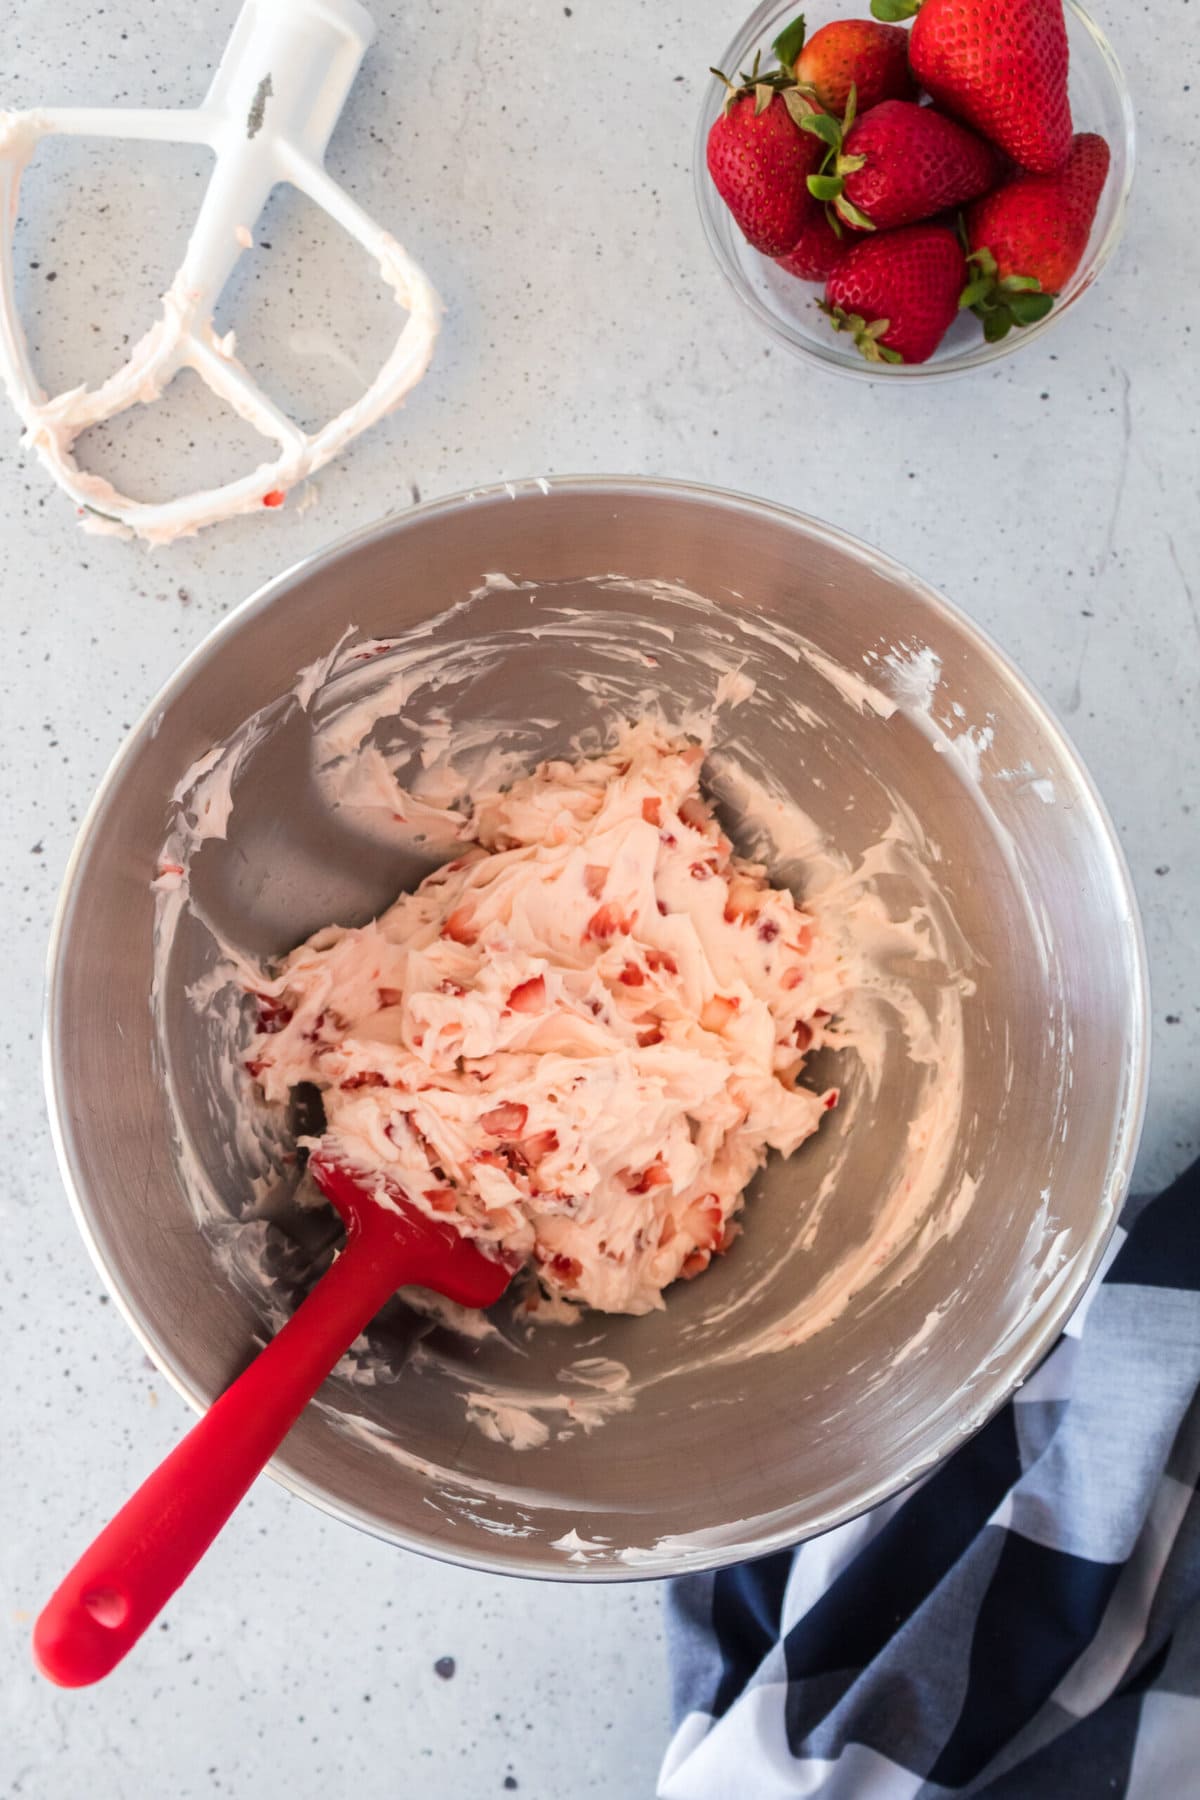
(579, 1038)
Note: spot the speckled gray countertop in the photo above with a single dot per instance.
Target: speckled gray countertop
(536, 158)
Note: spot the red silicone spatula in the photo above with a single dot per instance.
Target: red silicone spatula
(127, 1576)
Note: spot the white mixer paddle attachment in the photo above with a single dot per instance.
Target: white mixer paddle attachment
(268, 117)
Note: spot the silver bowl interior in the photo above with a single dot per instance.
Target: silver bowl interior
(724, 1452)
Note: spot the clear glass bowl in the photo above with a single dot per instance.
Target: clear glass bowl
(787, 308)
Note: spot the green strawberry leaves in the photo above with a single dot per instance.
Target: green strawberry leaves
(764, 85)
(1000, 302)
(829, 181)
(866, 337)
(974, 292)
(800, 105)
(790, 42)
(824, 126)
(894, 12)
(854, 215)
(1027, 309)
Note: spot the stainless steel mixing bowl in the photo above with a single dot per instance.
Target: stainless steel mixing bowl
(732, 1454)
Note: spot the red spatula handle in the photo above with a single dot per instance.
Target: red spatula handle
(123, 1581)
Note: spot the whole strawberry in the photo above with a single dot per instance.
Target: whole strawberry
(759, 158)
(1027, 238)
(899, 163)
(845, 54)
(898, 292)
(999, 64)
(818, 249)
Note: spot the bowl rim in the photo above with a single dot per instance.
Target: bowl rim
(1034, 1343)
(832, 356)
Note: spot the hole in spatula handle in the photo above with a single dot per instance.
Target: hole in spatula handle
(106, 1606)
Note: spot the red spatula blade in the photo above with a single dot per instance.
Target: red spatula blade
(439, 1256)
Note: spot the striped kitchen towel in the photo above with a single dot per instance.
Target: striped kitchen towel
(1023, 1624)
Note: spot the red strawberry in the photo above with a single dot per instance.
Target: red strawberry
(759, 159)
(898, 292)
(999, 64)
(849, 53)
(902, 162)
(818, 249)
(1026, 239)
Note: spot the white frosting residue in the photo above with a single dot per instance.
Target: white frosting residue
(505, 1423)
(184, 337)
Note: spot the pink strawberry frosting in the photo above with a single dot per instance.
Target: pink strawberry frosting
(580, 1039)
